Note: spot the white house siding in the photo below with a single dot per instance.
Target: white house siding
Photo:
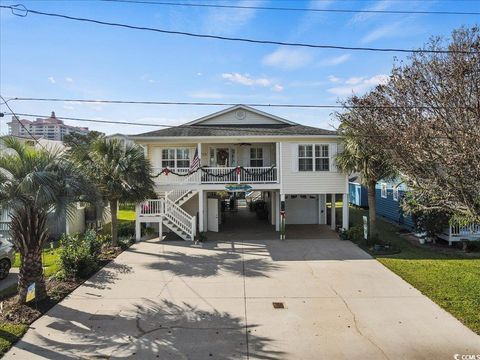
(251, 118)
(76, 222)
(309, 182)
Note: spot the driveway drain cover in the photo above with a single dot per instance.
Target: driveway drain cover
(278, 305)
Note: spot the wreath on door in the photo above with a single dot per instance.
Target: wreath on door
(222, 157)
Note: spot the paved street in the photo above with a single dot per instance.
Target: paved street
(175, 300)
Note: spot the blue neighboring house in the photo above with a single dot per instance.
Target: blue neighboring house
(388, 195)
(358, 194)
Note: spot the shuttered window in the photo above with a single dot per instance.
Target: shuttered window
(313, 157)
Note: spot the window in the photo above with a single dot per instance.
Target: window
(383, 191)
(256, 157)
(310, 160)
(183, 158)
(395, 193)
(176, 158)
(322, 158)
(305, 158)
(168, 158)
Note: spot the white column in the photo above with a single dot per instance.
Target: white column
(322, 209)
(277, 160)
(272, 207)
(160, 229)
(201, 214)
(138, 224)
(345, 212)
(277, 211)
(332, 213)
(205, 211)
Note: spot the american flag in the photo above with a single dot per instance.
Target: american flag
(195, 164)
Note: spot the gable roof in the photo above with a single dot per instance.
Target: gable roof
(202, 128)
(244, 107)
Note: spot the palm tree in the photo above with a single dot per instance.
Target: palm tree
(33, 183)
(120, 172)
(360, 154)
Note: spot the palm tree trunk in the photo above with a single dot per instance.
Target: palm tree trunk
(31, 271)
(372, 210)
(30, 233)
(114, 223)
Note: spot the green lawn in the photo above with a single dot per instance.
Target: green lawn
(9, 334)
(50, 261)
(451, 279)
(126, 215)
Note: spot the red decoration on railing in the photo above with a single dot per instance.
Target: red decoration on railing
(166, 171)
(237, 170)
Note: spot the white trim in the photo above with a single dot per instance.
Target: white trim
(236, 107)
(383, 190)
(314, 157)
(395, 193)
(238, 138)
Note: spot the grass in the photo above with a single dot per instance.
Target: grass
(128, 215)
(50, 261)
(9, 334)
(448, 277)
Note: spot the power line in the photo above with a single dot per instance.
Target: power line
(186, 103)
(93, 120)
(295, 9)
(22, 11)
(20, 122)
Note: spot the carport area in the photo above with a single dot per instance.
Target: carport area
(268, 299)
(244, 224)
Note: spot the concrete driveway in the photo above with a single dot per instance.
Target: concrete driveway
(175, 300)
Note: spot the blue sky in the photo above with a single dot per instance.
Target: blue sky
(47, 57)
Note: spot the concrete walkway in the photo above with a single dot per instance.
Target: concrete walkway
(174, 300)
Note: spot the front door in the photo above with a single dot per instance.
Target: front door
(223, 157)
(212, 207)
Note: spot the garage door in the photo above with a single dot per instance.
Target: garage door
(301, 209)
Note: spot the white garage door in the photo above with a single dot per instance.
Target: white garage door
(301, 209)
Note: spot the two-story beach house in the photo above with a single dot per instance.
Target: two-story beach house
(291, 166)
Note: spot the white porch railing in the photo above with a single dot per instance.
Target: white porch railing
(154, 207)
(469, 232)
(219, 175)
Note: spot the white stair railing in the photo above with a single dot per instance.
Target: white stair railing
(176, 194)
(180, 218)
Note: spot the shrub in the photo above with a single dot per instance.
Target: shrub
(126, 229)
(78, 256)
(355, 233)
(125, 242)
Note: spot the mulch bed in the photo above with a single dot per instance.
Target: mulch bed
(57, 290)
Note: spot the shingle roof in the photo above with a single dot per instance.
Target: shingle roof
(233, 130)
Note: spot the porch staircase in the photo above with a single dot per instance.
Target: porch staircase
(175, 217)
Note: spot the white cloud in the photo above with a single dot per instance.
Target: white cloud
(333, 79)
(246, 79)
(379, 6)
(358, 85)
(277, 88)
(288, 59)
(52, 80)
(69, 79)
(389, 30)
(335, 60)
(227, 21)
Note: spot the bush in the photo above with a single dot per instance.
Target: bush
(78, 256)
(126, 229)
(126, 242)
(355, 233)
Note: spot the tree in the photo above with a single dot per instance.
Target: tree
(119, 172)
(430, 126)
(33, 183)
(360, 154)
